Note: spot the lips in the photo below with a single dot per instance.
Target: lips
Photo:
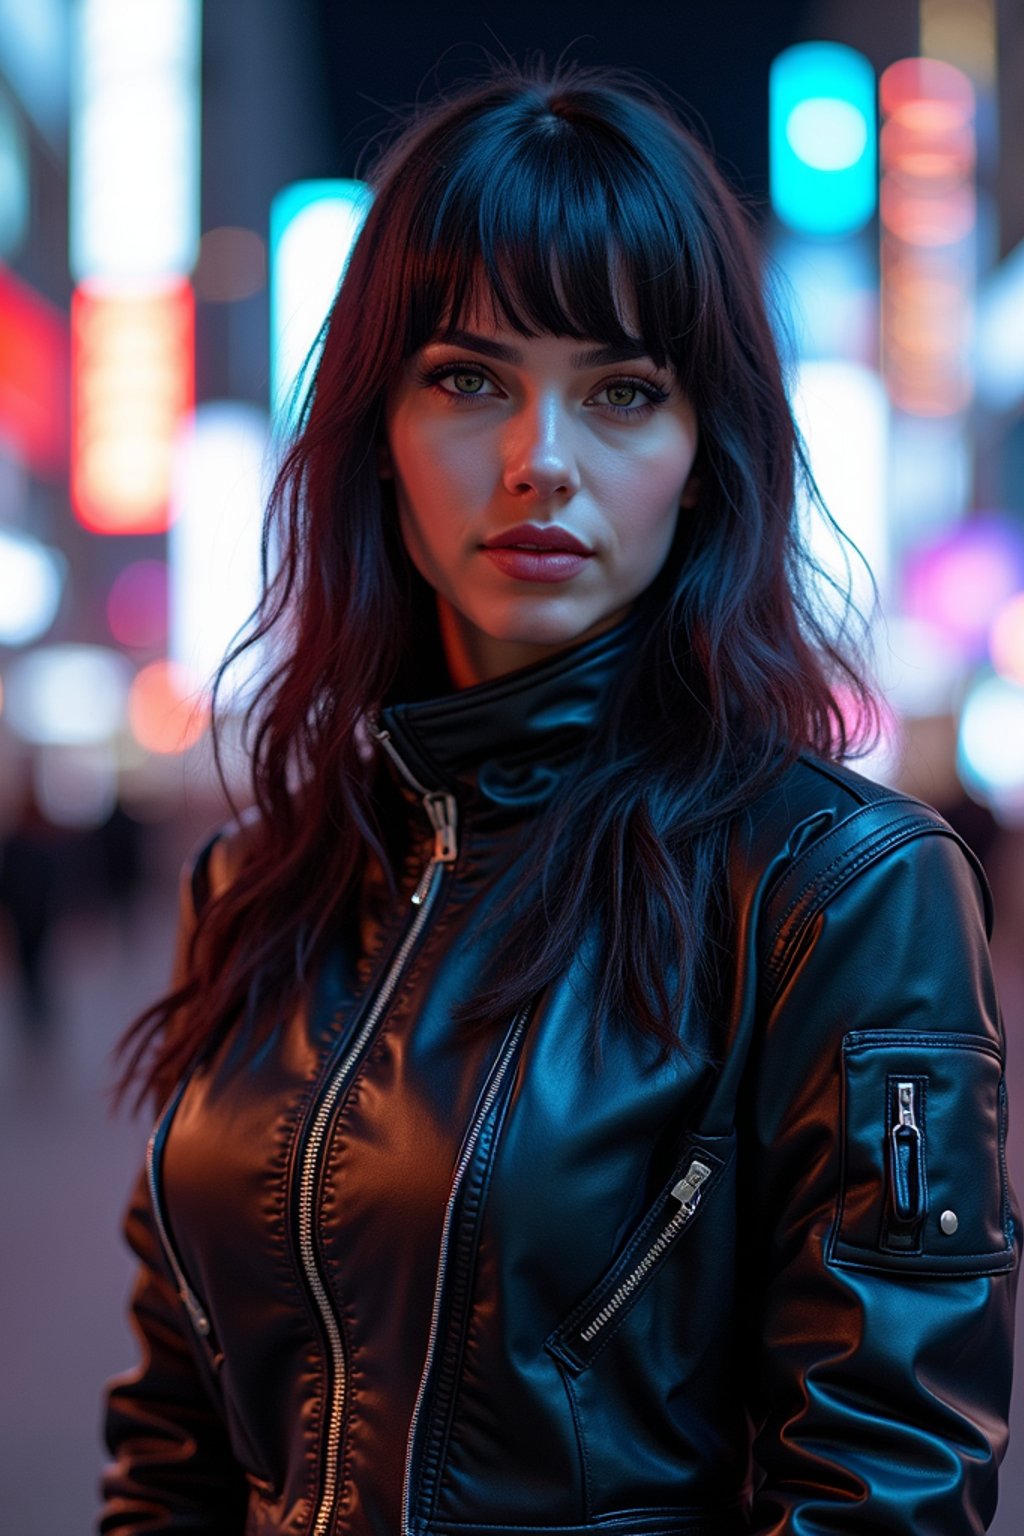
(542, 540)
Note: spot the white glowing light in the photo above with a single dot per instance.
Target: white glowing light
(134, 180)
(999, 341)
(220, 483)
(843, 416)
(31, 580)
(313, 227)
(826, 133)
(917, 667)
(76, 786)
(990, 754)
(68, 694)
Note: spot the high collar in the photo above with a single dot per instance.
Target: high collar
(507, 744)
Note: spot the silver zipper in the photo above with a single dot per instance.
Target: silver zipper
(469, 1147)
(193, 1306)
(442, 810)
(905, 1099)
(687, 1192)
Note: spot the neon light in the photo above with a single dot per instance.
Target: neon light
(73, 694)
(132, 369)
(220, 486)
(990, 751)
(313, 227)
(959, 581)
(962, 31)
(1006, 641)
(134, 179)
(1000, 334)
(76, 785)
(33, 376)
(13, 181)
(31, 581)
(928, 213)
(822, 138)
(164, 712)
(843, 417)
(137, 605)
(826, 134)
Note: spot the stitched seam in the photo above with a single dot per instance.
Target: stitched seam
(581, 1441)
(869, 1040)
(840, 834)
(855, 854)
(846, 866)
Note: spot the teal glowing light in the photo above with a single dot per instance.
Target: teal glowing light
(822, 139)
(313, 227)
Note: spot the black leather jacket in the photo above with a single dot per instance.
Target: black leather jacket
(393, 1287)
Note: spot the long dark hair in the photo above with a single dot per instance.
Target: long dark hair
(739, 669)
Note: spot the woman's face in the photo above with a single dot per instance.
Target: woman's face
(538, 441)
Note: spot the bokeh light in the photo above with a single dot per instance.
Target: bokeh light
(31, 581)
(132, 382)
(67, 694)
(75, 786)
(822, 138)
(959, 581)
(137, 605)
(1006, 641)
(990, 752)
(164, 711)
(313, 227)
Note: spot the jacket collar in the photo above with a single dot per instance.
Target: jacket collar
(510, 742)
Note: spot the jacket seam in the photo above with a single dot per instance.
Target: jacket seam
(841, 870)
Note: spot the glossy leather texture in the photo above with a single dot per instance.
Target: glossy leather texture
(392, 1283)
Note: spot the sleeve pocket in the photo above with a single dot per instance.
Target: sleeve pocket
(923, 1185)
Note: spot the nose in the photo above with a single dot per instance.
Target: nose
(539, 452)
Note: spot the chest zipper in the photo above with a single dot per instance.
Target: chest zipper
(498, 1075)
(442, 809)
(197, 1313)
(687, 1192)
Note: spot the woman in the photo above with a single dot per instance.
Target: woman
(581, 1096)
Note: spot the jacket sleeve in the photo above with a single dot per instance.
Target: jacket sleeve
(173, 1469)
(882, 1233)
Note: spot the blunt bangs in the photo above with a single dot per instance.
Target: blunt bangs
(559, 225)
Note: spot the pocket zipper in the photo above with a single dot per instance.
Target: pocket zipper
(906, 1167)
(687, 1192)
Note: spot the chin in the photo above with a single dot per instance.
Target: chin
(558, 625)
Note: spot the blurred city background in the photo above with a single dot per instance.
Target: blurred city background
(179, 185)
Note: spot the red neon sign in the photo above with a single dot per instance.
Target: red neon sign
(33, 375)
(132, 372)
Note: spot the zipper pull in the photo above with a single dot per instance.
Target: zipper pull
(687, 1191)
(443, 810)
(200, 1321)
(906, 1168)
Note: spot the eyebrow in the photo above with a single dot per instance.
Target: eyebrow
(595, 357)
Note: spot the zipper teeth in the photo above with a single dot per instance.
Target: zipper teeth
(306, 1191)
(469, 1148)
(626, 1288)
(197, 1316)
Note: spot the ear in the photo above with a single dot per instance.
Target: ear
(385, 468)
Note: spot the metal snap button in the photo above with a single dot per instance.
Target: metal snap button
(949, 1221)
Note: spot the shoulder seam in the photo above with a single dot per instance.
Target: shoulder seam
(820, 872)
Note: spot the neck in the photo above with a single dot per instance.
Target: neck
(475, 657)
